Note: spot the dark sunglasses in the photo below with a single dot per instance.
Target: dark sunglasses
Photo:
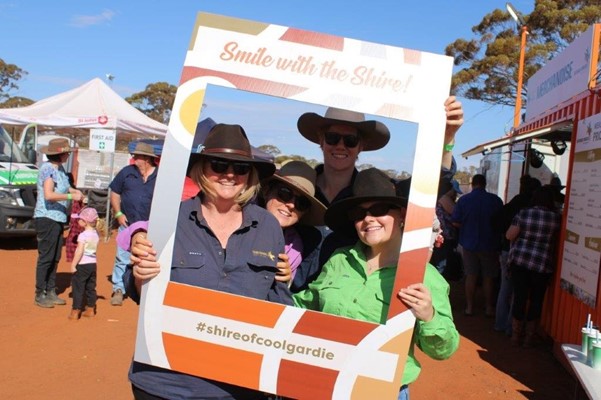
(220, 166)
(376, 210)
(285, 195)
(350, 141)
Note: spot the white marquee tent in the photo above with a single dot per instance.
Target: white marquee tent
(91, 105)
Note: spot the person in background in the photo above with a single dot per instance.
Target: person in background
(357, 281)
(533, 235)
(290, 196)
(50, 213)
(480, 241)
(131, 197)
(83, 267)
(74, 227)
(221, 230)
(342, 135)
(445, 205)
(528, 185)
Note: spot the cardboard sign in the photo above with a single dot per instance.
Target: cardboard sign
(268, 346)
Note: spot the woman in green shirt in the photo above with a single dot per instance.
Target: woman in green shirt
(357, 281)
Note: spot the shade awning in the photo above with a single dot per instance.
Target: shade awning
(558, 130)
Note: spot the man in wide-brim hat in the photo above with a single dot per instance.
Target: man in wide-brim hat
(131, 196)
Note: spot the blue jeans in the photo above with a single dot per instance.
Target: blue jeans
(121, 262)
(404, 393)
(503, 311)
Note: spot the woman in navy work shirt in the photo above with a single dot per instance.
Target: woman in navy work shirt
(222, 242)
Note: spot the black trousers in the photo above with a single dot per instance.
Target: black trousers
(528, 285)
(50, 242)
(83, 284)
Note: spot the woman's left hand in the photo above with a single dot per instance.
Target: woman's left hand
(419, 300)
(284, 272)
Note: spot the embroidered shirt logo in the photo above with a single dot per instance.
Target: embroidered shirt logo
(264, 254)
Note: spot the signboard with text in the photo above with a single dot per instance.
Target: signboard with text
(102, 140)
(266, 346)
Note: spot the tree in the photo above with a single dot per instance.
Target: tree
(9, 75)
(155, 101)
(16, 102)
(489, 63)
(270, 149)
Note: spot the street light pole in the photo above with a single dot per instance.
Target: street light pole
(518, 99)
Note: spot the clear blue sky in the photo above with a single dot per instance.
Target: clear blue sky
(64, 44)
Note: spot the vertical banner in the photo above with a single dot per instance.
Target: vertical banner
(267, 346)
(582, 243)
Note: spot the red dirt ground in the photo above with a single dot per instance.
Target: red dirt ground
(44, 355)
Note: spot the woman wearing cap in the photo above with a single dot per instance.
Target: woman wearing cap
(54, 194)
(223, 242)
(357, 281)
(447, 197)
(290, 196)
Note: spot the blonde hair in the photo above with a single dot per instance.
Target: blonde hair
(99, 224)
(248, 193)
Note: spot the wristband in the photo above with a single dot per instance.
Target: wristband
(69, 196)
(449, 147)
(117, 215)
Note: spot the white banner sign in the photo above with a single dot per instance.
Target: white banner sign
(102, 140)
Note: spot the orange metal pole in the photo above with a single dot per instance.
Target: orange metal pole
(518, 96)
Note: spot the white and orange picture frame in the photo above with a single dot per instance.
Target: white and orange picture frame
(266, 346)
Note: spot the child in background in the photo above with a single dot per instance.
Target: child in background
(83, 266)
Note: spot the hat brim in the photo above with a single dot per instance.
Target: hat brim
(315, 215)
(374, 134)
(265, 169)
(336, 216)
(45, 149)
(143, 153)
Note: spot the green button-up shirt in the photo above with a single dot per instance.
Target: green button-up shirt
(344, 288)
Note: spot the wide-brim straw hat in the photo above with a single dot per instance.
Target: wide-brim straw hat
(374, 134)
(144, 149)
(299, 176)
(231, 143)
(57, 146)
(370, 184)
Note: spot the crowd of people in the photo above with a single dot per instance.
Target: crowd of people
(327, 224)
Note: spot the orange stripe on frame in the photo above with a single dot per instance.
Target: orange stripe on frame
(212, 361)
(301, 381)
(314, 39)
(342, 330)
(225, 305)
(418, 217)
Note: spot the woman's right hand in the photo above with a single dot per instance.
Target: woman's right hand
(143, 257)
(76, 195)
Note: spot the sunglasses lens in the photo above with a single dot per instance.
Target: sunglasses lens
(218, 166)
(302, 203)
(376, 210)
(241, 168)
(221, 166)
(333, 138)
(285, 194)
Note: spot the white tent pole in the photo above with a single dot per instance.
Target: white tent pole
(109, 217)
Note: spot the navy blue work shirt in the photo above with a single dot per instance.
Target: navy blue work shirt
(136, 195)
(245, 267)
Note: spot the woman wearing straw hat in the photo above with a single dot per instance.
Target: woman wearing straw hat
(290, 196)
(357, 281)
(54, 194)
(221, 229)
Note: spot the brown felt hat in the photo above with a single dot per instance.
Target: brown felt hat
(231, 143)
(374, 134)
(299, 176)
(56, 146)
(144, 149)
(370, 184)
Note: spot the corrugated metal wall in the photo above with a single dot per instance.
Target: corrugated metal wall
(563, 314)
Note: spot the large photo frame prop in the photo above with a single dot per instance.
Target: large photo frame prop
(270, 347)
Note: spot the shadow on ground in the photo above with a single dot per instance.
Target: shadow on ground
(536, 368)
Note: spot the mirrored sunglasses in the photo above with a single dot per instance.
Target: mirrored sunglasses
(285, 195)
(220, 166)
(333, 138)
(376, 210)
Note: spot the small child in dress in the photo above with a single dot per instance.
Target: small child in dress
(83, 266)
